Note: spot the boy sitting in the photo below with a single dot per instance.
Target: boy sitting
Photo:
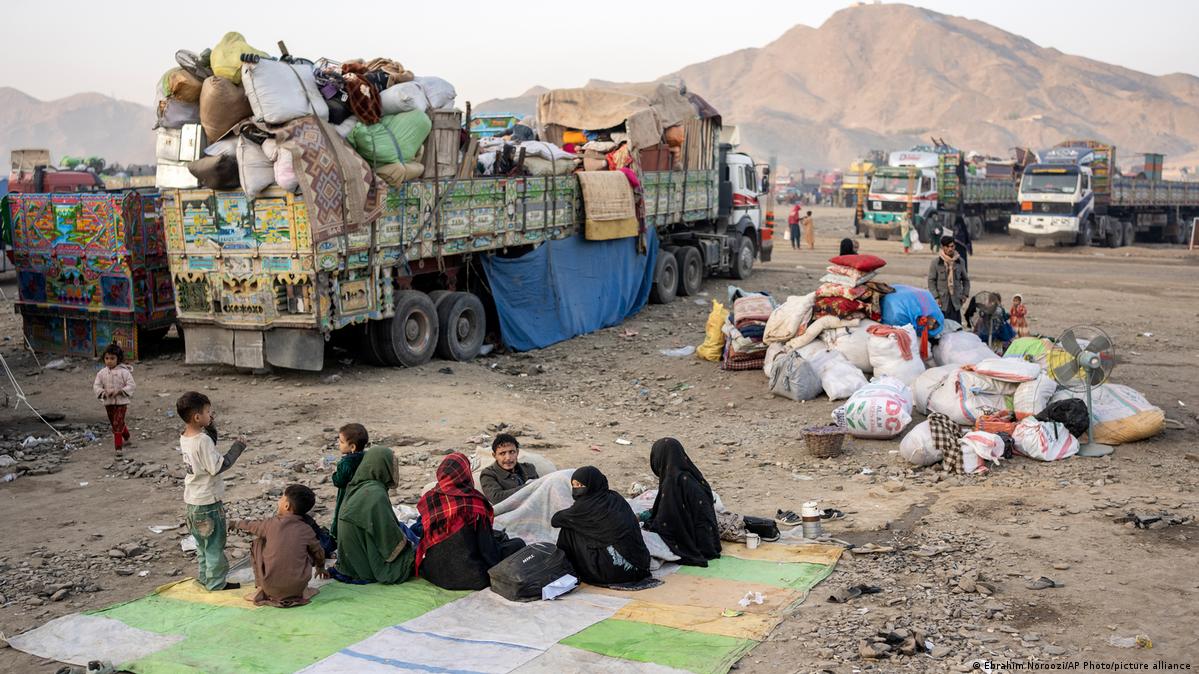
(285, 550)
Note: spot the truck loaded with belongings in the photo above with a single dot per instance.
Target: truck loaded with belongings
(306, 198)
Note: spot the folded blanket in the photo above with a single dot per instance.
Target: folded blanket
(752, 308)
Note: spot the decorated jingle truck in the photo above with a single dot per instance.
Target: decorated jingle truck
(928, 189)
(91, 271)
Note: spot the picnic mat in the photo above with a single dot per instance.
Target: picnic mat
(679, 626)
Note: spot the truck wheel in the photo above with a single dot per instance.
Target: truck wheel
(1115, 236)
(1130, 234)
(976, 228)
(666, 278)
(1084, 233)
(691, 270)
(880, 235)
(743, 258)
(414, 332)
(463, 324)
(438, 295)
(1030, 242)
(377, 339)
(1182, 234)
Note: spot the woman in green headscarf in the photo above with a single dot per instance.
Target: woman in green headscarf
(371, 546)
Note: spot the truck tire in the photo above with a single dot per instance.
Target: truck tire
(1084, 233)
(666, 278)
(462, 324)
(378, 343)
(743, 258)
(413, 332)
(438, 295)
(1030, 242)
(1115, 235)
(1182, 234)
(1130, 234)
(976, 228)
(880, 235)
(691, 270)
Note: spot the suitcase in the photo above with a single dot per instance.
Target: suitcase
(521, 576)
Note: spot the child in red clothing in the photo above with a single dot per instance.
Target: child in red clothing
(114, 387)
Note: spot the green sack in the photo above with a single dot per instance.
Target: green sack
(395, 139)
(226, 56)
(1029, 348)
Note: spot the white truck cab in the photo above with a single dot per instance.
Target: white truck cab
(747, 190)
(1057, 199)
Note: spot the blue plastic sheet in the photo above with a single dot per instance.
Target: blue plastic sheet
(569, 287)
(907, 304)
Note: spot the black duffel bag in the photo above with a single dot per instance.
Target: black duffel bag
(521, 576)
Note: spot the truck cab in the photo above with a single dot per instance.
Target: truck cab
(745, 215)
(1054, 199)
(902, 194)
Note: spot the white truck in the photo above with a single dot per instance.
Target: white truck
(923, 189)
(1071, 197)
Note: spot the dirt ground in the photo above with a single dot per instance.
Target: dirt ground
(76, 538)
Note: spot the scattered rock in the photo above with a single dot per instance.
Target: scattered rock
(117, 553)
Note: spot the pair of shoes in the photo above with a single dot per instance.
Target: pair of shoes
(787, 518)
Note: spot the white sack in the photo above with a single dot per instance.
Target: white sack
(280, 92)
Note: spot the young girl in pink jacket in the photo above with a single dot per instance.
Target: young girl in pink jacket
(114, 387)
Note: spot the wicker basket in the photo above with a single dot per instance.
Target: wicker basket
(824, 442)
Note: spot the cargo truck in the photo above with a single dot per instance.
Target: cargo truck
(1073, 196)
(923, 188)
(252, 289)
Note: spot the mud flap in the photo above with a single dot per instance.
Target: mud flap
(295, 349)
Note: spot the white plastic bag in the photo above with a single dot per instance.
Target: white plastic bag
(402, 98)
(854, 345)
(1044, 440)
(1120, 413)
(839, 378)
(285, 172)
(887, 356)
(1014, 370)
(280, 92)
(880, 409)
(965, 396)
(960, 348)
(1032, 396)
(438, 92)
(255, 171)
(793, 377)
(917, 446)
(978, 449)
(927, 384)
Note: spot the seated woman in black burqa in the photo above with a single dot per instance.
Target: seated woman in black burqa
(684, 514)
(600, 534)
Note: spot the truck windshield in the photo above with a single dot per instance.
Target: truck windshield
(891, 184)
(1049, 183)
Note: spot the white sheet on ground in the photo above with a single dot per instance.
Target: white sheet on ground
(561, 658)
(399, 650)
(79, 638)
(486, 616)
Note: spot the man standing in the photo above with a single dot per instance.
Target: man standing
(948, 281)
(793, 225)
(809, 231)
(506, 476)
(961, 237)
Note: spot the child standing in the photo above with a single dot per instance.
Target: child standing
(203, 489)
(114, 387)
(1018, 318)
(351, 442)
(285, 550)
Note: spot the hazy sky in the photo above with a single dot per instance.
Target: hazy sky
(496, 49)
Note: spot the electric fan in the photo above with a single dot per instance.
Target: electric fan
(1082, 359)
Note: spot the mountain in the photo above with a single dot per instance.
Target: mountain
(889, 76)
(83, 124)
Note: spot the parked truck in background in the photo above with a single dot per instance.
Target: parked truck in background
(1073, 196)
(252, 289)
(923, 188)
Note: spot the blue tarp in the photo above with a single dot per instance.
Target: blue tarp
(569, 287)
(907, 304)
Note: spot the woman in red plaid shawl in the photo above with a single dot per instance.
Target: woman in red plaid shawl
(458, 545)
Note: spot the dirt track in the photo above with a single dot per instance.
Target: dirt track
(573, 400)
